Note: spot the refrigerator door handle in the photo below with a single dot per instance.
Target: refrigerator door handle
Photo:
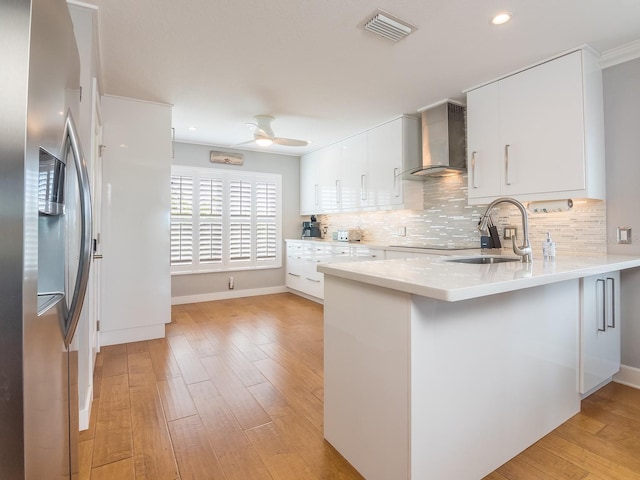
(72, 315)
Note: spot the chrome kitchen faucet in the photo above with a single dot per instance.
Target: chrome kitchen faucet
(523, 251)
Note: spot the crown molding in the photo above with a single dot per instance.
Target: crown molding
(621, 54)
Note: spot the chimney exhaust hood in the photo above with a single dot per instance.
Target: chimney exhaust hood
(444, 145)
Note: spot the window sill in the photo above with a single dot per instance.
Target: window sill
(225, 270)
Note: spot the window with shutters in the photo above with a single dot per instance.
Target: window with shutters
(223, 220)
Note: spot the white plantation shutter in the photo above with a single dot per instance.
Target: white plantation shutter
(181, 219)
(224, 220)
(211, 216)
(266, 215)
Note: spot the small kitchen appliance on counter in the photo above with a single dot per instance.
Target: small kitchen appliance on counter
(311, 229)
(349, 235)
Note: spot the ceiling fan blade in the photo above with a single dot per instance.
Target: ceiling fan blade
(290, 142)
(244, 143)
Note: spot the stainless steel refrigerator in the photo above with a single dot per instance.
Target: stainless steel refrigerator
(45, 231)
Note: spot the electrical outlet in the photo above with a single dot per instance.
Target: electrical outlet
(231, 285)
(624, 234)
(402, 231)
(509, 232)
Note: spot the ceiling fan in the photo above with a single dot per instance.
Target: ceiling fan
(263, 134)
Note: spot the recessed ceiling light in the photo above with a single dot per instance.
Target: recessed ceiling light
(501, 18)
(192, 129)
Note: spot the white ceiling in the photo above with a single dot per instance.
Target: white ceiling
(311, 65)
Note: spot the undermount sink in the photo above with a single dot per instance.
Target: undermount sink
(484, 259)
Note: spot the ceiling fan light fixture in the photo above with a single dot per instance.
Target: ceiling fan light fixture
(501, 18)
(264, 141)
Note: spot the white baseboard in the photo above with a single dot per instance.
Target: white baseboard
(127, 335)
(85, 409)
(629, 376)
(209, 297)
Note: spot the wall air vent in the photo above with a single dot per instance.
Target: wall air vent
(388, 26)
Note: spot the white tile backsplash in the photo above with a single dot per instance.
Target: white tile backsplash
(447, 220)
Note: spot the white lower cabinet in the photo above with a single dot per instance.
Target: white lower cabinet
(600, 329)
(303, 257)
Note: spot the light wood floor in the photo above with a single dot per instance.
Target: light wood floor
(235, 392)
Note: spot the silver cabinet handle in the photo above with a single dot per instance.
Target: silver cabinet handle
(312, 280)
(506, 164)
(604, 305)
(294, 274)
(396, 192)
(363, 188)
(473, 170)
(72, 315)
(317, 197)
(338, 192)
(612, 309)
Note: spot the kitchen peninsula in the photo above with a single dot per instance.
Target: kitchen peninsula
(444, 370)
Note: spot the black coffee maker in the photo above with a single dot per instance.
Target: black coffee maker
(311, 229)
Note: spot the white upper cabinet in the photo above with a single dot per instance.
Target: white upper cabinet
(538, 134)
(363, 172)
(353, 173)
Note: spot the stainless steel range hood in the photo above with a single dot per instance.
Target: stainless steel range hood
(444, 146)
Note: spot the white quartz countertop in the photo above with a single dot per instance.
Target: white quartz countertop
(433, 276)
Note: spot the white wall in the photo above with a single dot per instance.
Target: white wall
(214, 285)
(622, 137)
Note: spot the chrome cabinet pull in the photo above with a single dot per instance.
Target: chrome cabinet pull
(473, 170)
(395, 183)
(294, 274)
(604, 305)
(363, 189)
(506, 162)
(312, 280)
(612, 309)
(317, 197)
(338, 192)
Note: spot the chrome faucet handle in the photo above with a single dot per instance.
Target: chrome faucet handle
(524, 251)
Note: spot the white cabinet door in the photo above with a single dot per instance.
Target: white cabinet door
(600, 329)
(353, 173)
(538, 134)
(483, 141)
(328, 174)
(385, 152)
(309, 186)
(542, 128)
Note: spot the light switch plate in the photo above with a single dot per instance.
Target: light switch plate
(624, 234)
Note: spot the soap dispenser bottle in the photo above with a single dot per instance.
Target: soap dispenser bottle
(549, 248)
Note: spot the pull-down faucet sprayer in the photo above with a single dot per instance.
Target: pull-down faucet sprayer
(523, 251)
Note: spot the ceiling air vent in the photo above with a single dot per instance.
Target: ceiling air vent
(388, 26)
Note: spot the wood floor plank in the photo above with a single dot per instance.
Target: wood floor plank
(245, 408)
(115, 360)
(190, 367)
(238, 458)
(152, 450)
(141, 369)
(162, 359)
(281, 458)
(551, 464)
(121, 470)
(521, 470)
(299, 397)
(112, 441)
(137, 347)
(324, 460)
(85, 454)
(593, 462)
(196, 457)
(176, 399)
